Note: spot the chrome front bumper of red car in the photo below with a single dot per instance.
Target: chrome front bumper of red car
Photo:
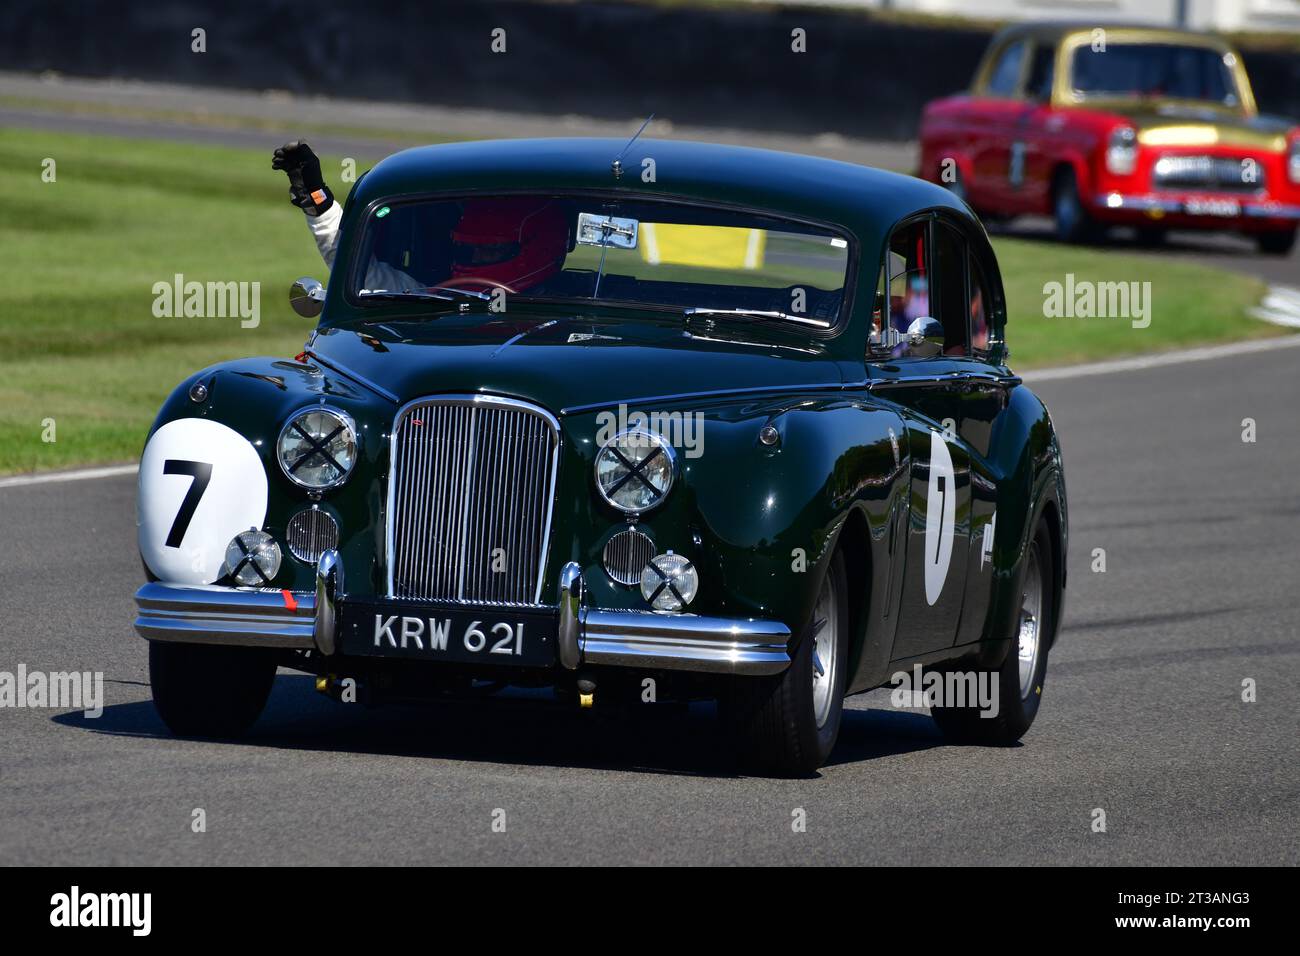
(1208, 209)
(207, 614)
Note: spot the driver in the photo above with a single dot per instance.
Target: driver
(514, 243)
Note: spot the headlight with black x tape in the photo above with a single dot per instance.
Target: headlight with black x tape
(317, 448)
(634, 471)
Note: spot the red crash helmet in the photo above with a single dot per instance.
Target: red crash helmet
(512, 242)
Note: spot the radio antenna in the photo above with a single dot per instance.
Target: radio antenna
(616, 167)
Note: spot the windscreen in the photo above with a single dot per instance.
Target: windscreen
(666, 254)
(1155, 70)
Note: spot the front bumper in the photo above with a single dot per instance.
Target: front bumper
(203, 614)
(645, 640)
(1193, 209)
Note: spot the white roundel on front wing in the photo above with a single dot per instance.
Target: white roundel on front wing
(201, 483)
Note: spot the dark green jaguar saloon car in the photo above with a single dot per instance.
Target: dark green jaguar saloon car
(636, 421)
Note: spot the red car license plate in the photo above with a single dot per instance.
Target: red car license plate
(1225, 208)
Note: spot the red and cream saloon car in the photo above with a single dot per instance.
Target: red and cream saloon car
(1134, 126)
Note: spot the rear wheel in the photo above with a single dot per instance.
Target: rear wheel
(788, 724)
(205, 691)
(1278, 243)
(1017, 686)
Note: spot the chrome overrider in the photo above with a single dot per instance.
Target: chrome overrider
(651, 640)
(661, 641)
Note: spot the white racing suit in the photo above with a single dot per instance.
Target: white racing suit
(379, 275)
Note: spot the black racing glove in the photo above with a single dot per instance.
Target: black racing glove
(307, 189)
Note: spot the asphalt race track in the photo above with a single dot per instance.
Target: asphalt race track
(1142, 717)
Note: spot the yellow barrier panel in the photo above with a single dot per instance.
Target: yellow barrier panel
(714, 247)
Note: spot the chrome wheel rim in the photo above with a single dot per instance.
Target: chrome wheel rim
(825, 656)
(1031, 611)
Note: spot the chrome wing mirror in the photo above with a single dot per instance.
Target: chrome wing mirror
(307, 297)
(924, 337)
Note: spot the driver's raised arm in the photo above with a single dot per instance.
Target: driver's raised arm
(307, 191)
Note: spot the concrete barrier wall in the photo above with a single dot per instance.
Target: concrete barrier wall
(704, 66)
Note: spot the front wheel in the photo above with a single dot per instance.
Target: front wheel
(205, 691)
(1279, 243)
(1017, 686)
(788, 724)
(1070, 218)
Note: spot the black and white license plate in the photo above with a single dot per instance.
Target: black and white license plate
(1224, 208)
(495, 636)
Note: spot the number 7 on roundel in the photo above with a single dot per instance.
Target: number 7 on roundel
(940, 516)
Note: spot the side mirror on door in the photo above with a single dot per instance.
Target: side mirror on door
(924, 337)
(307, 297)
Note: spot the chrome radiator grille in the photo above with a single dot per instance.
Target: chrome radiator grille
(1218, 173)
(469, 504)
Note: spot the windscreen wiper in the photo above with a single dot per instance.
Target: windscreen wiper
(758, 315)
(440, 294)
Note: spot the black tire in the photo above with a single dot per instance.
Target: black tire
(1071, 220)
(1015, 711)
(206, 691)
(1279, 243)
(1152, 237)
(774, 718)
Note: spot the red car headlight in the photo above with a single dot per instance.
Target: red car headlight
(1293, 161)
(1121, 153)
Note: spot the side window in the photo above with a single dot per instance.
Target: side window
(1042, 70)
(909, 275)
(950, 284)
(981, 306)
(902, 290)
(881, 311)
(1005, 75)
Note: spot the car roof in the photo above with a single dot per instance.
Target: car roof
(863, 200)
(1054, 30)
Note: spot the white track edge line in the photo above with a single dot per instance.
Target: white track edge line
(83, 474)
(1137, 363)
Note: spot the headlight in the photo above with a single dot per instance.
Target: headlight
(1293, 162)
(317, 448)
(1121, 154)
(669, 582)
(634, 471)
(252, 558)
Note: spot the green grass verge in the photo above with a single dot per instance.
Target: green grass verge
(1190, 304)
(79, 342)
(78, 339)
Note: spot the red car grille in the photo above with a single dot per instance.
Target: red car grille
(1213, 173)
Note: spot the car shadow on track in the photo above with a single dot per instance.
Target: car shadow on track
(516, 727)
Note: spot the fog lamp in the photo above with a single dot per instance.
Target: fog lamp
(252, 558)
(669, 582)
